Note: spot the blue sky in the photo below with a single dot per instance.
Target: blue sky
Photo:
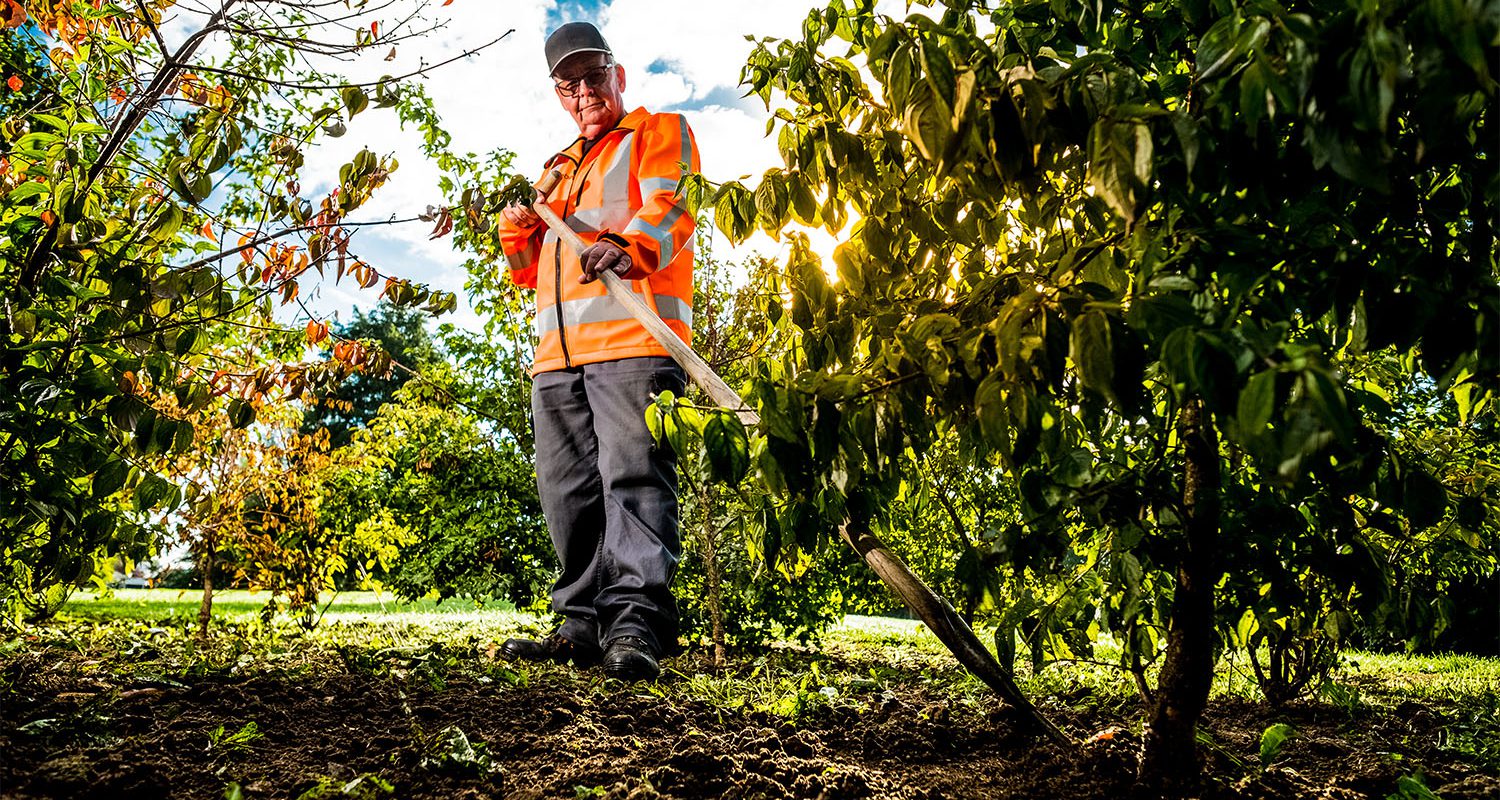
(679, 55)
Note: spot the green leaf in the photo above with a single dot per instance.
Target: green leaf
(724, 213)
(1226, 44)
(1093, 353)
(678, 429)
(771, 202)
(654, 415)
(355, 100)
(1186, 129)
(166, 223)
(1120, 154)
(1257, 404)
(28, 189)
(1412, 787)
(182, 438)
(1330, 403)
(938, 71)
(241, 413)
(1273, 740)
(190, 180)
(804, 204)
(187, 340)
(728, 447)
(926, 124)
(150, 492)
(110, 478)
(58, 123)
(145, 431)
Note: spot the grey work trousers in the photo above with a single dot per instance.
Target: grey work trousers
(610, 498)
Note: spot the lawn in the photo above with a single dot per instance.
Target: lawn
(120, 698)
(238, 604)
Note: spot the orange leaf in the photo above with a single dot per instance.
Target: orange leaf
(207, 230)
(117, 94)
(316, 331)
(447, 2)
(375, 30)
(15, 83)
(48, 217)
(15, 15)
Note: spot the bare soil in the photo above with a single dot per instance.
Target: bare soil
(64, 734)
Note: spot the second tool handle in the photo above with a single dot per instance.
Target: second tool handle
(696, 368)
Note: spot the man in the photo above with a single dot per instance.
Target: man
(608, 494)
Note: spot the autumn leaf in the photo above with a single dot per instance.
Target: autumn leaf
(48, 217)
(375, 30)
(444, 225)
(15, 83)
(207, 230)
(13, 14)
(316, 331)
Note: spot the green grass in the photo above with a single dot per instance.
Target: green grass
(1444, 677)
(239, 605)
(856, 656)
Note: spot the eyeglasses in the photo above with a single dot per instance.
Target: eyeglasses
(595, 78)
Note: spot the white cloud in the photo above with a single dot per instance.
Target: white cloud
(678, 54)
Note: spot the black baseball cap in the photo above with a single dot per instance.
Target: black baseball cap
(574, 37)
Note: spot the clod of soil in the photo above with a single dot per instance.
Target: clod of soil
(351, 736)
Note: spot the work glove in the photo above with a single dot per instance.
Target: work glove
(602, 256)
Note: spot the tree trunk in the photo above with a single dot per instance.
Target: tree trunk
(206, 608)
(1169, 761)
(713, 574)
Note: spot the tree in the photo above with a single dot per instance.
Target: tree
(1112, 249)
(459, 500)
(216, 474)
(151, 194)
(400, 333)
(252, 492)
(28, 78)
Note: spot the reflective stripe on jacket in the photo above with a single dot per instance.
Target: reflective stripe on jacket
(622, 190)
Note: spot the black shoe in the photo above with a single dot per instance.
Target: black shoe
(631, 659)
(554, 648)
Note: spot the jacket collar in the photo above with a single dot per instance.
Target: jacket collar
(575, 152)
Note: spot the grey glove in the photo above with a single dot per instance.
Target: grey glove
(602, 256)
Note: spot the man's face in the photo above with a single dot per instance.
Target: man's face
(590, 88)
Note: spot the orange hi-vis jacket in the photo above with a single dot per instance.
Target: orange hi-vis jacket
(622, 190)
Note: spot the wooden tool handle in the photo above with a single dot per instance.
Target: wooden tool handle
(696, 368)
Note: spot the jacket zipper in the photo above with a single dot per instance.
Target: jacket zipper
(562, 332)
(570, 199)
